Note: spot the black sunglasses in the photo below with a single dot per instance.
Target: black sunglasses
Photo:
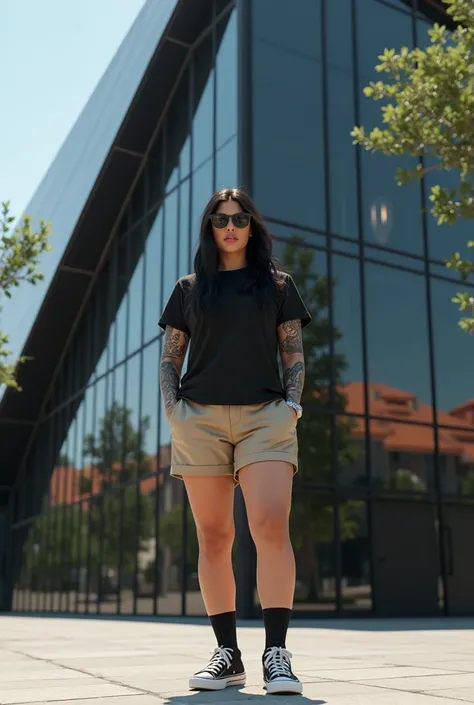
(220, 220)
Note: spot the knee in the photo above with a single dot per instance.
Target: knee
(215, 541)
(270, 528)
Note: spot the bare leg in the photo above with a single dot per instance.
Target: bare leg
(212, 504)
(267, 492)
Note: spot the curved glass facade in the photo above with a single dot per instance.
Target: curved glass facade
(383, 502)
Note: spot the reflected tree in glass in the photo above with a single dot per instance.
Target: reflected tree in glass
(118, 461)
(312, 521)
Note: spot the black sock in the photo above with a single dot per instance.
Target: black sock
(276, 621)
(225, 628)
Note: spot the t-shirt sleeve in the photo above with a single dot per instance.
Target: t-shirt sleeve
(173, 313)
(292, 307)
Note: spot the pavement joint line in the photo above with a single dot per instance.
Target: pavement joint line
(92, 697)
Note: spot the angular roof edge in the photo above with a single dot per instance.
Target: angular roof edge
(94, 227)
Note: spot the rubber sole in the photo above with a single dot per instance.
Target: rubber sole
(196, 683)
(284, 688)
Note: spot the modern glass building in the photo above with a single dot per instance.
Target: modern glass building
(260, 93)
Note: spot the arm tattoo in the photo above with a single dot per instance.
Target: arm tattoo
(172, 359)
(292, 357)
(290, 337)
(294, 380)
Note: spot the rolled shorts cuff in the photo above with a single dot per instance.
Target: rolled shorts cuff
(267, 456)
(181, 471)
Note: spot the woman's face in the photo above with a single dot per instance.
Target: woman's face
(230, 238)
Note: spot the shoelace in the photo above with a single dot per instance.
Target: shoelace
(221, 657)
(277, 662)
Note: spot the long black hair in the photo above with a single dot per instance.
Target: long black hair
(262, 275)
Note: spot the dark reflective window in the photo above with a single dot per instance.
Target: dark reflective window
(341, 117)
(454, 354)
(171, 546)
(176, 133)
(356, 587)
(226, 80)
(184, 264)
(347, 333)
(312, 533)
(392, 215)
(456, 459)
(288, 177)
(350, 446)
(226, 165)
(153, 259)
(397, 340)
(171, 243)
(402, 457)
(202, 191)
(121, 320)
(150, 392)
(203, 128)
(135, 294)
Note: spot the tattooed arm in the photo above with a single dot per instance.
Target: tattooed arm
(172, 359)
(292, 359)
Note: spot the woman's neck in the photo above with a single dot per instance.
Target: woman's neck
(231, 261)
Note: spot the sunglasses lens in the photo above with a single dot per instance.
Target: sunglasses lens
(241, 220)
(219, 220)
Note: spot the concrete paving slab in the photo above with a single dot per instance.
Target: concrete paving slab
(87, 661)
(428, 683)
(44, 694)
(463, 694)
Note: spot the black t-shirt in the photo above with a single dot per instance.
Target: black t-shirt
(233, 355)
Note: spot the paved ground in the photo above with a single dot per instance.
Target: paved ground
(120, 662)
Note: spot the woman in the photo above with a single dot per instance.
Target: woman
(232, 421)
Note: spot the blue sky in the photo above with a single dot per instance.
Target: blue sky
(52, 54)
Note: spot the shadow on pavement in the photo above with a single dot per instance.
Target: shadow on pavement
(369, 624)
(234, 696)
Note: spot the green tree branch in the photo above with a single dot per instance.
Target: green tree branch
(428, 113)
(20, 250)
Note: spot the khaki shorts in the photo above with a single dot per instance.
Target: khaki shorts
(210, 440)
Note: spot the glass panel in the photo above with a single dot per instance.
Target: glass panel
(171, 244)
(312, 534)
(147, 546)
(397, 260)
(288, 178)
(226, 164)
(226, 79)
(456, 461)
(184, 266)
(171, 545)
(392, 215)
(402, 456)
(133, 440)
(135, 293)
(153, 256)
(202, 191)
(204, 103)
(121, 327)
(176, 132)
(341, 116)
(397, 339)
(351, 461)
(347, 335)
(356, 588)
(454, 354)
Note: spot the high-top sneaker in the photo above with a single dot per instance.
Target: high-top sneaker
(224, 669)
(277, 673)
